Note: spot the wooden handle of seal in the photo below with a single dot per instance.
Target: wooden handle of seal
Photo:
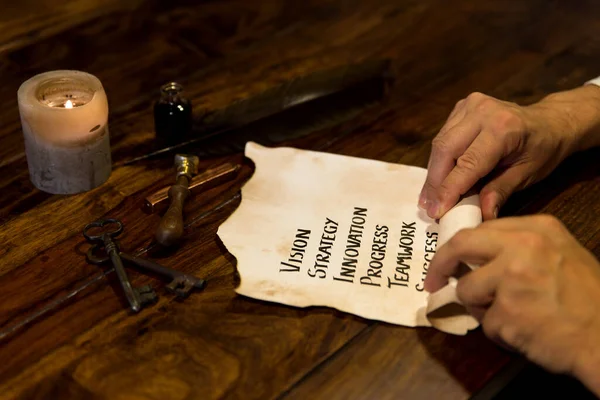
(170, 228)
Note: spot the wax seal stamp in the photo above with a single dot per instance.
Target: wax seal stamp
(158, 201)
(170, 228)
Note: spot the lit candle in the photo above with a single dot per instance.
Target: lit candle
(64, 115)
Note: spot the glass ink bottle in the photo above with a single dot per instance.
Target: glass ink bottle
(172, 115)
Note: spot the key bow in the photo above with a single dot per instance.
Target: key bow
(105, 234)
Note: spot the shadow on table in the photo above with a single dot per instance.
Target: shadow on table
(467, 359)
(530, 382)
(578, 168)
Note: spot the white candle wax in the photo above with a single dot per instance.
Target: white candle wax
(64, 116)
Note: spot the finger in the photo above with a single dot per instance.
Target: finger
(478, 287)
(458, 108)
(445, 150)
(476, 162)
(477, 312)
(495, 193)
(441, 163)
(539, 223)
(492, 323)
(469, 246)
(442, 166)
(457, 114)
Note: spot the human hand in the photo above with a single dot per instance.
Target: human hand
(510, 145)
(537, 291)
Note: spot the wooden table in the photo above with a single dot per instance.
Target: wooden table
(64, 328)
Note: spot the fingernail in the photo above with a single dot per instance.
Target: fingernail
(433, 209)
(426, 286)
(496, 210)
(423, 202)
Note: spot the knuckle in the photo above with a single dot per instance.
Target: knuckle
(465, 291)
(500, 191)
(513, 335)
(459, 104)
(502, 194)
(487, 190)
(446, 193)
(485, 104)
(533, 240)
(506, 122)
(549, 222)
(516, 270)
(428, 186)
(470, 161)
(440, 145)
(476, 97)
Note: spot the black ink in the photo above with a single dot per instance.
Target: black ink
(353, 243)
(297, 252)
(319, 270)
(378, 248)
(430, 248)
(405, 252)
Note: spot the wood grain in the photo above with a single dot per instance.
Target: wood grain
(64, 328)
(387, 362)
(29, 21)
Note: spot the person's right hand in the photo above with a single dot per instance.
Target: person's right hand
(513, 146)
(537, 291)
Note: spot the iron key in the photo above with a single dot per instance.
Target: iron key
(181, 284)
(137, 297)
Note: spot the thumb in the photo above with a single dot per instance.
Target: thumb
(499, 189)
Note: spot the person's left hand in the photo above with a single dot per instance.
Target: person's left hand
(537, 290)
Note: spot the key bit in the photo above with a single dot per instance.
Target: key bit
(146, 294)
(170, 228)
(181, 283)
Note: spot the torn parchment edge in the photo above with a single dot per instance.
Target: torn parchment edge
(444, 310)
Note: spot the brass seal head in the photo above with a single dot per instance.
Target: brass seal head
(187, 165)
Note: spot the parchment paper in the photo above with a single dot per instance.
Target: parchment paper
(319, 229)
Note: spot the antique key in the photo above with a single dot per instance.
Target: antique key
(181, 283)
(137, 297)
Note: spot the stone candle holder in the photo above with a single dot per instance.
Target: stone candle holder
(64, 116)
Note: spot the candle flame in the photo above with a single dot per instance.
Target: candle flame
(69, 104)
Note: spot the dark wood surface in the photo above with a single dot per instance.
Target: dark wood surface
(64, 329)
